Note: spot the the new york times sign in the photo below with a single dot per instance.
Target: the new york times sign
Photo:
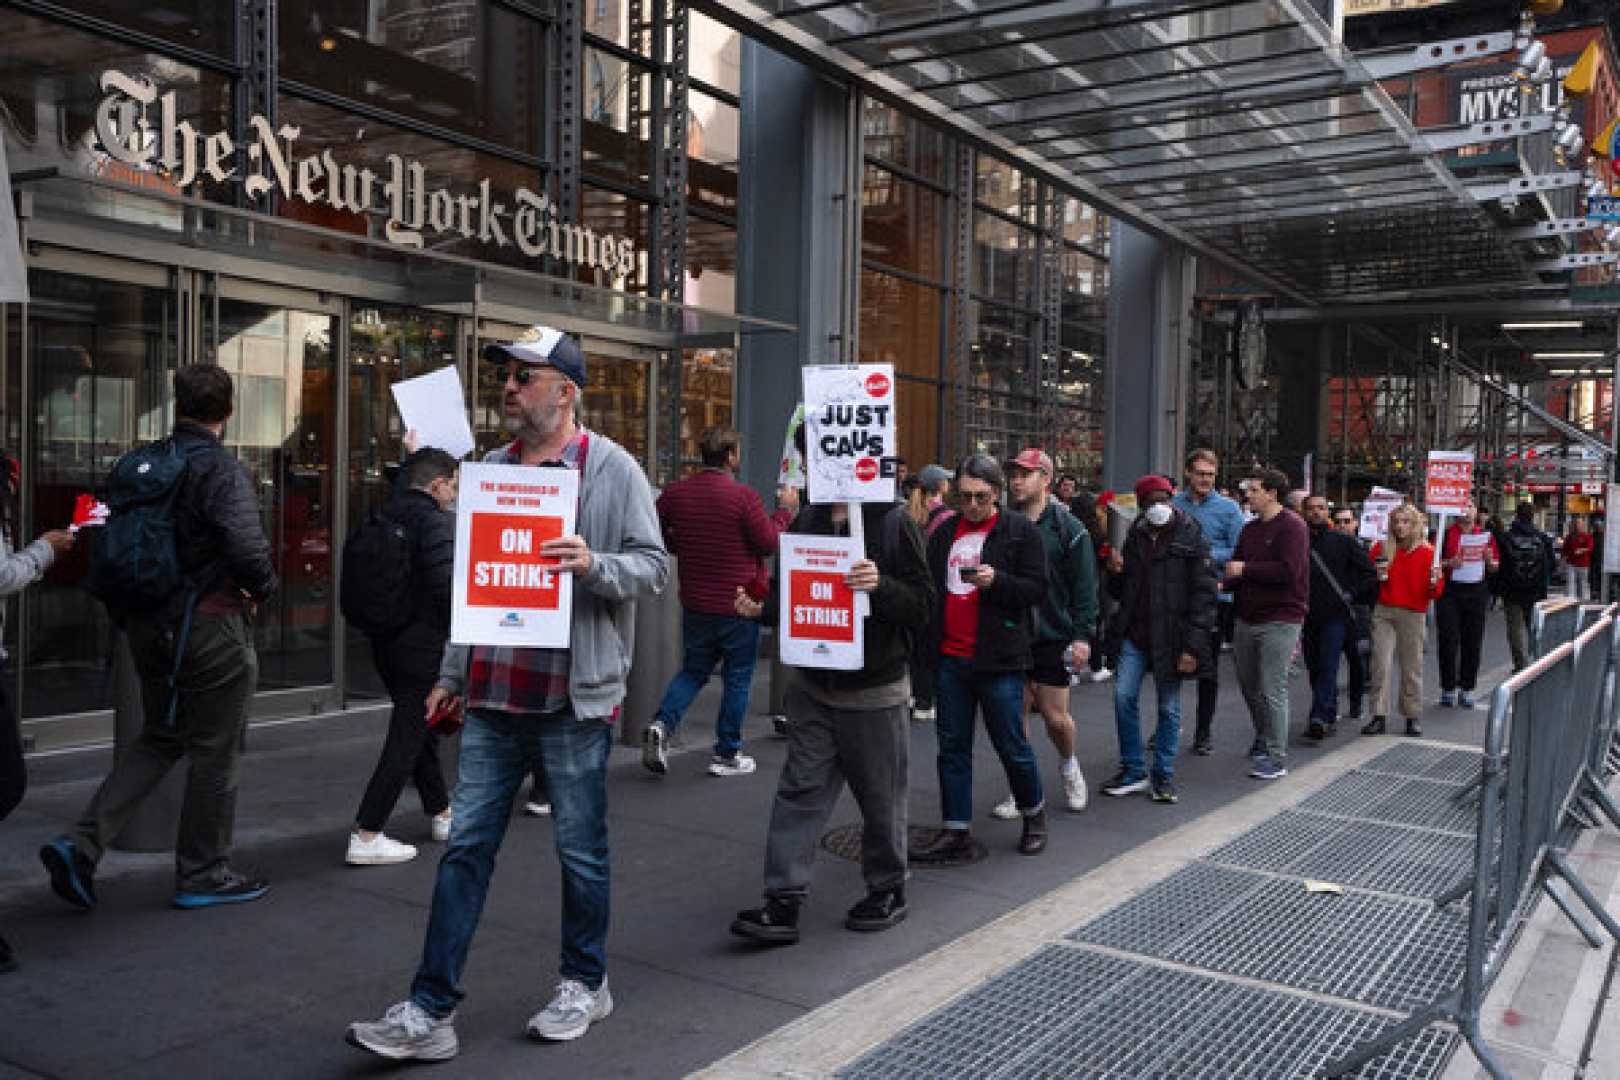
(270, 162)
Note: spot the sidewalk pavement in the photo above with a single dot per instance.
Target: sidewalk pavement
(267, 989)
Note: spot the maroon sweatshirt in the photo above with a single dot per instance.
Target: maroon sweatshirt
(717, 528)
(1276, 582)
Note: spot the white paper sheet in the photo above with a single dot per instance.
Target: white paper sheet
(434, 406)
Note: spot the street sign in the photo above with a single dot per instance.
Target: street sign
(1603, 208)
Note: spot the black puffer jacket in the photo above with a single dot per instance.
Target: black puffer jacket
(433, 565)
(1006, 629)
(219, 533)
(1182, 598)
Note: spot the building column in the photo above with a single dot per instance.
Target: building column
(795, 260)
(1149, 365)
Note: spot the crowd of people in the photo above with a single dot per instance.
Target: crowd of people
(991, 589)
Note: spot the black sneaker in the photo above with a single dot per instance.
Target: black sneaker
(1124, 783)
(879, 911)
(952, 846)
(73, 877)
(777, 923)
(1376, 726)
(1203, 746)
(1316, 731)
(1033, 840)
(231, 888)
(1413, 730)
(1164, 790)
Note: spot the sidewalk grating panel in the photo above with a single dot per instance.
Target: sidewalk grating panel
(1395, 800)
(1170, 910)
(1351, 795)
(1420, 1057)
(1428, 762)
(1459, 767)
(1389, 858)
(1279, 843)
(993, 1023)
(1427, 967)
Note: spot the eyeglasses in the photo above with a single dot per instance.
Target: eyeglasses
(982, 498)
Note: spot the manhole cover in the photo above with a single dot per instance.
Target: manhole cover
(845, 842)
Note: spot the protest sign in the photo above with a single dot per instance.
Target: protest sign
(850, 432)
(1450, 482)
(791, 472)
(506, 592)
(1375, 513)
(819, 626)
(434, 407)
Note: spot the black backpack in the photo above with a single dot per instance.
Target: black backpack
(134, 562)
(376, 594)
(1525, 563)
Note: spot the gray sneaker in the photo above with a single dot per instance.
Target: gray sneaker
(571, 1013)
(407, 1032)
(654, 743)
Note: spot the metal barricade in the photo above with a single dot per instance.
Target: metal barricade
(1538, 745)
(1552, 623)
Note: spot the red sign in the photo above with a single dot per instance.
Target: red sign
(877, 384)
(504, 565)
(823, 607)
(866, 470)
(1450, 482)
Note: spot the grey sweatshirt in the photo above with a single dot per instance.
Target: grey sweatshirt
(20, 569)
(619, 522)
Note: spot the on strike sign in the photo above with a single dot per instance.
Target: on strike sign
(850, 432)
(506, 592)
(1450, 481)
(818, 626)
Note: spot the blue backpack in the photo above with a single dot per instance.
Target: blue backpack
(134, 563)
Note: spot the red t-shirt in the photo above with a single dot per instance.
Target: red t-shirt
(961, 599)
(1578, 550)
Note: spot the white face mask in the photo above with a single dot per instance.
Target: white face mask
(1158, 515)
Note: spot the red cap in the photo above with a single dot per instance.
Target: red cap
(1152, 483)
(1034, 460)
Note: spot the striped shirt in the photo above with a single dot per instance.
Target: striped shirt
(503, 679)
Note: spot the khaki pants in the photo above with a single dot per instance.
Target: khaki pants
(1397, 634)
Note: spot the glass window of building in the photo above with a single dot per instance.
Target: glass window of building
(626, 23)
(196, 24)
(905, 143)
(616, 135)
(712, 142)
(714, 53)
(472, 67)
(613, 213)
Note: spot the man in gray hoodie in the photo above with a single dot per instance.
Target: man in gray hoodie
(546, 709)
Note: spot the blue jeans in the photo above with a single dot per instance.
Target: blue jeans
(731, 641)
(1133, 668)
(498, 750)
(958, 693)
(1323, 644)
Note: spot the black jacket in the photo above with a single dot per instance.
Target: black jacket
(1182, 588)
(219, 533)
(1524, 592)
(433, 565)
(1006, 609)
(900, 604)
(1350, 565)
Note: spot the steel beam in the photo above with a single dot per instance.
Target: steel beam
(1547, 230)
(1440, 141)
(1438, 54)
(1526, 185)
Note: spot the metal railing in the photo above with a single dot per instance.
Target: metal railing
(1549, 726)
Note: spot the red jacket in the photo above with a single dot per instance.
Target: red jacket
(1578, 550)
(718, 529)
(1409, 585)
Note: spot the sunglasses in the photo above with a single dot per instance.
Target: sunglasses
(523, 374)
(982, 498)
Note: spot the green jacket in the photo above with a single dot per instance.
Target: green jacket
(1069, 612)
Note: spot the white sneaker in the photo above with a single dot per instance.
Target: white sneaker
(923, 716)
(537, 809)
(740, 765)
(1102, 675)
(1074, 789)
(407, 1033)
(1006, 809)
(380, 850)
(571, 1012)
(441, 827)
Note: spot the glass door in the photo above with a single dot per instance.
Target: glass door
(279, 348)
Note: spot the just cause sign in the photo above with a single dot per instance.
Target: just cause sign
(270, 162)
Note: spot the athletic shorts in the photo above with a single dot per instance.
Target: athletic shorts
(1049, 669)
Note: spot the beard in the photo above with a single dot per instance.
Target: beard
(541, 421)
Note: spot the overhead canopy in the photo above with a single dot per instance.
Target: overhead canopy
(1236, 127)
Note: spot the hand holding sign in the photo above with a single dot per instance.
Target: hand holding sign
(572, 553)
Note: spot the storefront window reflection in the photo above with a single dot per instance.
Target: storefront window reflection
(196, 24)
(617, 123)
(707, 380)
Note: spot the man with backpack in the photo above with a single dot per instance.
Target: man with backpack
(398, 568)
(188, 612)
(1523, 579)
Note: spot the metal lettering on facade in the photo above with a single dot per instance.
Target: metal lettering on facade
(413, 208)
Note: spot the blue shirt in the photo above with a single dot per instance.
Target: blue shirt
(1221, 520)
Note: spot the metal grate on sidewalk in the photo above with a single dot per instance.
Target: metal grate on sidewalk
(1450, 764)
(1395, 800)
(1398, 859)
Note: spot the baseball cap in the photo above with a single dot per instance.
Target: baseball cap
(541, 345)
(1032, 459)
(933, 477)
(1151, 483)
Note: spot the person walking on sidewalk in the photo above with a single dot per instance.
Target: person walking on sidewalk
(1357, 633)
(554, 708)
(1523, 579)
(1222, 521)
(1165, 624)
(1408, 581)
(1468, 556)
(717, 528)
(1271, 579)
(927, 508)
(989, 570)
(19, 568)
(407, 659)
(1343, 586)
(1577, 554)
(848, 727)
(195, 704)
(1063, 620)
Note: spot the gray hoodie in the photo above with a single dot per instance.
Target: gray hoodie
(619, 522)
